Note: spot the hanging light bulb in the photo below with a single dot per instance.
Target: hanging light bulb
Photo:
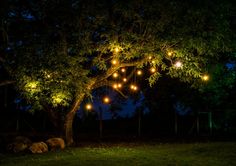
(88, 106)
(106, 100)
(119, 85)
(124, 79)
(115, 75)
(114, 61)
(123, 70)
(115, 86)
(178, 64)
(205, 77)
(139, 72)
(117, 50)
(153, 70)
(132, 86)
(169, 53)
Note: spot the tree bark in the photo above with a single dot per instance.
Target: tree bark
(68, 124)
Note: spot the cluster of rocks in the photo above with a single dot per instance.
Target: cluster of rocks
(22, 144)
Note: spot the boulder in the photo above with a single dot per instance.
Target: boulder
(19, 144)
(55, 143)
(38, 147)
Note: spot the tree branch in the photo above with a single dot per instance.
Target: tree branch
(7, 82)
(110, 84)
(117, 67)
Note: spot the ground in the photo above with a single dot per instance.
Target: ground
(163, 154)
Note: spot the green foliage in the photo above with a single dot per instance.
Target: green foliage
(68, 44)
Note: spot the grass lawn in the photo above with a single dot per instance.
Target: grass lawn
(199, 154)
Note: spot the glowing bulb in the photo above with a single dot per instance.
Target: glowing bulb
(115, 75)
(178, 64)
(205, 78)
(117, 50)
(119, 85)
(123, 70)
(150, 57)
(153, 70)
(114, 62)
(48, 76)
(106, 99)
(115, 86)
(132, 86)
(124, 79)
(169, 53)
(88, 106)
(135, 88)
(139, 72)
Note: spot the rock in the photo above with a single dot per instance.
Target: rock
(22, 139)
(19, 144)
(38, 147)
(55, 143)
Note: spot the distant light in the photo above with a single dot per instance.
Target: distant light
(115, 86)
(106, 99)
(48, 76)
(117, 50)
(133, 87)
(150, 57)
(205, 77)
(123, 70)
(119, 85)
(169, 53)
(153, 70)
(114, 62)
(88, 106)
(115, 75)
(178, 64)
(124, 79)
(153, 62)
(139, 72)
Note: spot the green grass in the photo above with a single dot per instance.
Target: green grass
(192, 154)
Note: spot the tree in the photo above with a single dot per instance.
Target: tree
(62, 50)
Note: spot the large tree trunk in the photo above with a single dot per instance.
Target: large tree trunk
(68, 124)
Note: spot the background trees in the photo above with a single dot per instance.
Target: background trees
(60, 51)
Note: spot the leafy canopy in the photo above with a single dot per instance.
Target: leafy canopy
(59, 48)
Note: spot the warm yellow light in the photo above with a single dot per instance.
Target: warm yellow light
(178, 64)
(119, 85)
(123, 70)
(124, 79)
(135, 88)
(88, 106)
(150, 57)
(32, 85)
(132, 86)
(114, 62)
(106, 99)
(153, 70)
(205, 77)
(115, 86)
(48, 76)
(139, 72)
(169, 53)
(117, 50)
(115, 75)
